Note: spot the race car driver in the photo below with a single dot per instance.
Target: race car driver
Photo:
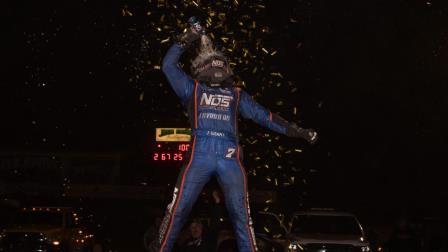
(213, 104)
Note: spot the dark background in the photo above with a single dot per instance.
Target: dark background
(370, 76)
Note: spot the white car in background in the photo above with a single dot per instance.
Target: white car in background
(326, 230)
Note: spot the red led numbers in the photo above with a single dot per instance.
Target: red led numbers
(178, 157)
(184, 147)
(167, 153)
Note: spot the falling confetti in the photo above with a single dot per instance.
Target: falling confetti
(142, 34)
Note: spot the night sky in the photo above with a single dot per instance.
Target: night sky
(371, 76)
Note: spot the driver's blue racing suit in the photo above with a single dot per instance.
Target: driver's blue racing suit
(215, 151)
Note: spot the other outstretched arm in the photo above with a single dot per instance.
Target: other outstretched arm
(250, 109)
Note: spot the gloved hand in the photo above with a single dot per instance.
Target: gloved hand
(309, 135)
(187, 38)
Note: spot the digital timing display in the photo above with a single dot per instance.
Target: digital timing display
(170, 151)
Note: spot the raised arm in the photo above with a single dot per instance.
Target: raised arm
(182, 84)
(250, 109)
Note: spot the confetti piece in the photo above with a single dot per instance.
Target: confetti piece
(125, 12)
(277, 74)
(165, 40)
(247, 42)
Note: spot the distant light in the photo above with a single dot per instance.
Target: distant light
(55, 243)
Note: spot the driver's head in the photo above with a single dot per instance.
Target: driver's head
(210, 66)
(196, 229)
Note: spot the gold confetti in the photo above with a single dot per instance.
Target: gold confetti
(125, 12)
(277, 74)
(253, 141)
(276, 153)
(208, 22)
(279, 103)
(165, 40)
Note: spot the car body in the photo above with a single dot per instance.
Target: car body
(45, 229)
(325, 230)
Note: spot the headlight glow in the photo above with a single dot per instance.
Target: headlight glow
(365, 249)
(294, 246)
